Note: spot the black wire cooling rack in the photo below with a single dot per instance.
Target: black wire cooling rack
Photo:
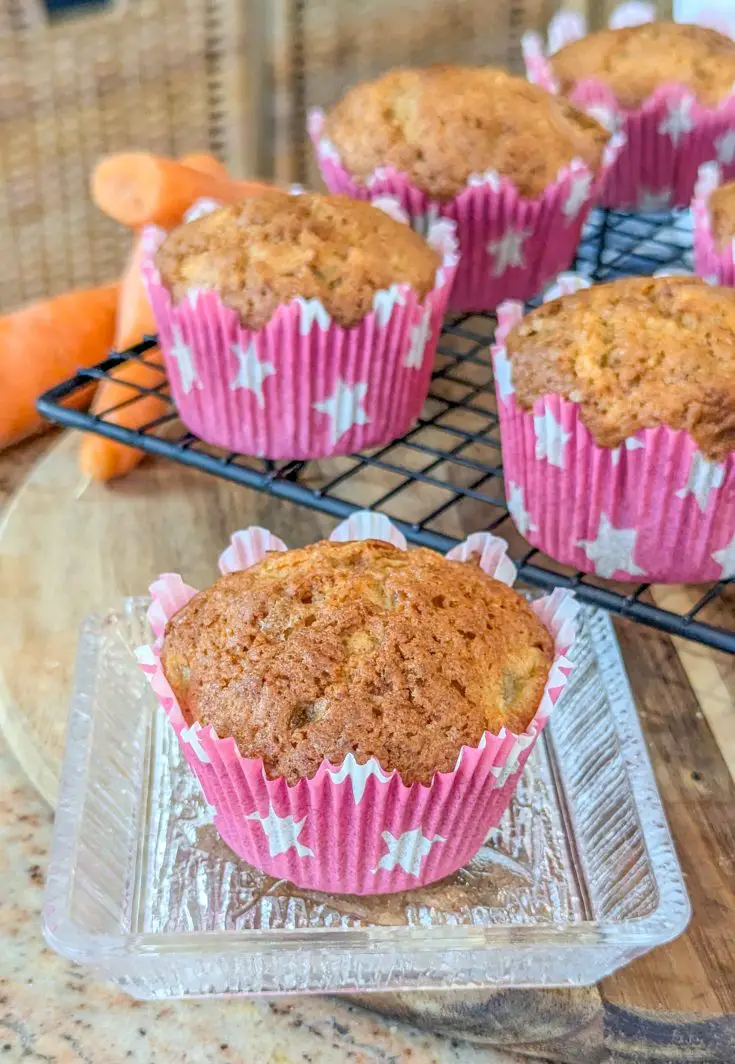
(444, 477)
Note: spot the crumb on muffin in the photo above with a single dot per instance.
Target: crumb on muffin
(357, 648)
(722, 215)
(440, 124)
(635, 353)
(635, 60)
(274, 247)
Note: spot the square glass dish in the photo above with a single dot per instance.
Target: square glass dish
(580, 877)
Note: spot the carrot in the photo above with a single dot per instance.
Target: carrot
(142, 189)
(43, 343)
(205, 164)
(134, 315)
(103, 459)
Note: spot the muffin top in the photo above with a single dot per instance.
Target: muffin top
(443, 123)
(722, 214)
(634, 354)
(357, 648)
(271, 248)
(634, 61)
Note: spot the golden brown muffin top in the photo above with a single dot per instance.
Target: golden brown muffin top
(634, 354)
(357, 648)
(634, 61)
(271, 248)
(722, 214)
(442, 123)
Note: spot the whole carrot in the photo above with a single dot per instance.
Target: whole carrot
(45, 342)
(104, 459)
(138, 189)
(205, 164)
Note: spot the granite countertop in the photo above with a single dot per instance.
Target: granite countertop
(54, 1012)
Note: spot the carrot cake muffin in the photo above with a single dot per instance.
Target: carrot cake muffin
(634, 61)
(440, 124)
(357, 648)
(636, 353)
(275, 247)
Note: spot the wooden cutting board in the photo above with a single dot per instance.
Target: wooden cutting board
(69, 548)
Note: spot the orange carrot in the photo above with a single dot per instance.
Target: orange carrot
(205, 164)
(141, 189)
(134, 315)
(103, 459)
(43, 343)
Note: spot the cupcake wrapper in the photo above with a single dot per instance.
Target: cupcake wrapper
(666, 139)
(653, 509)
(302, 386)
(510, 246)
(354, 828)
(716, 265)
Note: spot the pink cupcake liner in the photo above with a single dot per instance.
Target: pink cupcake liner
(302, 386)
(510, 245)
(714, 264)
(666, 139)
(354, 828)
(653, 509)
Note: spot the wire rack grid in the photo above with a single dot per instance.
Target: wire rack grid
(444, 477)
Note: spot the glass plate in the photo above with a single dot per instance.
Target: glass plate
(580, 877)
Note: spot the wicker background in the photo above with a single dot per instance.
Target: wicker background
(233, 76)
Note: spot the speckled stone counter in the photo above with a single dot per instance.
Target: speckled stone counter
(53, 1012)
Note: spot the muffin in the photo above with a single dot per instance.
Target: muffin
(515, 167)
(713, 212)
(298, 326)
(668, 87)
(357, 648)
(358, 714)
(617, 418)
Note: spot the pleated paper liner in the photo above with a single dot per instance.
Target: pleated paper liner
(302, 386)
(715, 264)
(510, 245)
(355, 828)
(653, 509)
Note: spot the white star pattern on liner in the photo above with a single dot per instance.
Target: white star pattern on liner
(579, 193)
(725, 147)
(651, 199)
(726, 559)
(502, 773)
(704, 478)
(193, 297)
(358, 775)
(408, 850)
(503, 374)
(612, 550)
(344, 407)
(508, 251)
(191, 738)
(384, 300)
(679, 120)
(550, 438)
(414, 357)
(518, 511)
(282, 833)
(630, 444)
(184, 358)
(310, 311)
(251, 371)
